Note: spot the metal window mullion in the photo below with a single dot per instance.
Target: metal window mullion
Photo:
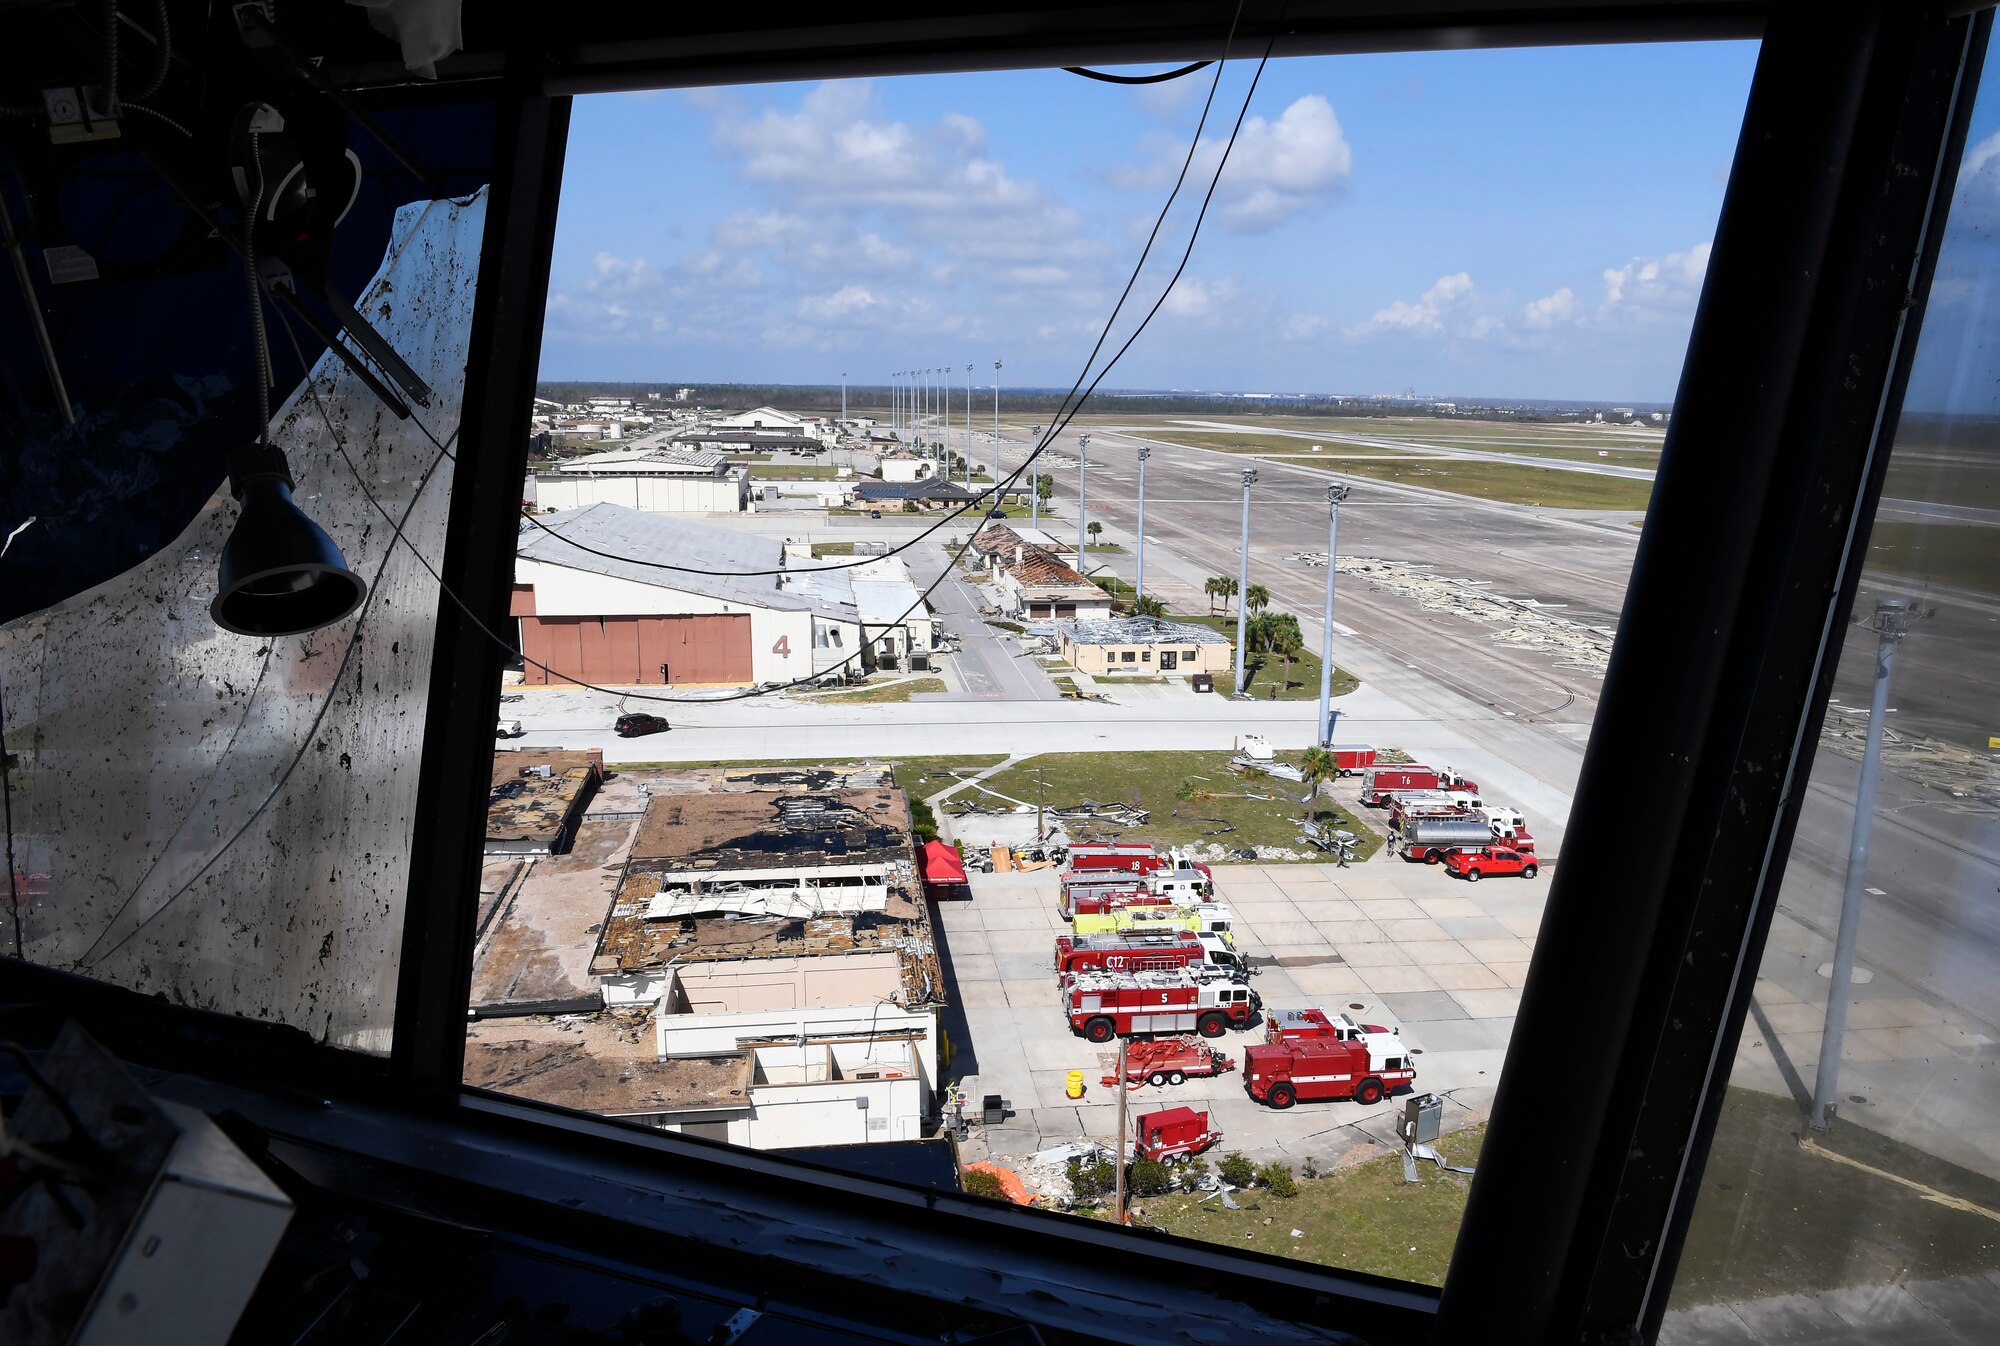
(435, 976)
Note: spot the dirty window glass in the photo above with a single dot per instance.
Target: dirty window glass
(863, 781)
(1854, 1183)
(220, 819)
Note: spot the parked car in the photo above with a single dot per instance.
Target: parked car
(874, 513)
(1474, 865)
(509, 729)
(632, 726)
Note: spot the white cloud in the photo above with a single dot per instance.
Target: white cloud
(1551, 309)
(1303, 327)
(1428, 313)
(843, 305)
(1192, 298)
(1649, 283)
(1276, 168)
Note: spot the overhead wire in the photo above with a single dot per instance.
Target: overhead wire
(1160, 78)
(999, 489)
(444, 454)
(956, 557)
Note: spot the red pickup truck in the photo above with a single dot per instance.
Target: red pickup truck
(1475, 865)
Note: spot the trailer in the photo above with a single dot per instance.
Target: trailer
(1164, 1061)
(1378, 782)
(1106, 1005)
(1430, 839)
(1366, 1069)
(1351, 759)
(1304, 1025)
(1174, 1135)
(1209, 916)
(1146, 951)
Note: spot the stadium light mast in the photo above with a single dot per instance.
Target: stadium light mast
(1334, 495)
(968, 430)
(843, 396)
(1082, 458)
(1140, 590)
(1243, 586)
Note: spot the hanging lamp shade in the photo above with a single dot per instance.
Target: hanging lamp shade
(280, 574)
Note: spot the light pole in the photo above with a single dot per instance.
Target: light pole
(1334, 495)
(1144, 454)
(896, 403)
(944, 434)
(968, 433)
(843, 397)
(1892, 622)
(996, 414)
(1034, 477)
(1082, 457)
(1243, 586)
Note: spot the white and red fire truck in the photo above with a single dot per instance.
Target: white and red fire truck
(1379, 782)
(1131, 859)
(1141, 951)
(1301, 1025)
(1174, 1135)
(1107, 1005)
(1366, 1067)
(1100, 890)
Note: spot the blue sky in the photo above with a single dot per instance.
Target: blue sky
(1529, 223)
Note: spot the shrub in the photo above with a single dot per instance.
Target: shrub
(1150, 1178)
(1091, 1182)
(1236, 1170)
(1309, 1167)
(1278, 1177)
(923, 822)
(978, 1182)
(1193, 1172)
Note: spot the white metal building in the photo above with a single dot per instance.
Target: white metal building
(657, 481)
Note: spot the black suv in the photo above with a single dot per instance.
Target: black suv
(631, 726)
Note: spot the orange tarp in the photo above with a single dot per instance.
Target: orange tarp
(1010, 1182)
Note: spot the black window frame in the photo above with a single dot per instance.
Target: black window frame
(1790, 394)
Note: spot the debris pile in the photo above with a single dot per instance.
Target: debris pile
(1969, 779)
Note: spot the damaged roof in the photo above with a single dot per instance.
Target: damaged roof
(588, 1065)
(529, 814)
(772, 829)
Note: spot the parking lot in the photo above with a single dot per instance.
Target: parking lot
(1389, 942)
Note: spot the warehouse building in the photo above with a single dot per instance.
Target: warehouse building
(656, 481)
(607, 594)
(1144, 645)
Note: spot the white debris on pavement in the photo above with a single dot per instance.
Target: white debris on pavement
(1522, 623)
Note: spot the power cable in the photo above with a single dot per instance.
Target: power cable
(999, 489)
(1161, 78)
(928, 590)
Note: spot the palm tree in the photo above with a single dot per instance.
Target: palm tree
(1257, 598)
(1045, 486)
(1285, 642)
(1318, 766)
(1219, 586)
(1148, 606)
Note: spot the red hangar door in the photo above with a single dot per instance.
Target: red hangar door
(627, 651)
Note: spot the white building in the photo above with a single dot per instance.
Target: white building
(657, 481)
(611, 595)
(763, 418)
(907, 467)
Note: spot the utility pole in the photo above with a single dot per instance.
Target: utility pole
(1243, 586)
(1334, 495)
(1892, 622)
(1082, 456)
(1041, 793)
(1144, 454)
(1124, 1091)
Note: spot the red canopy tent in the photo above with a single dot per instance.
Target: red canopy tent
(944, 872)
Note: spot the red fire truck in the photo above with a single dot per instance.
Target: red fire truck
(1366, 1069)
(1174, 1135)
(1305, 1025)
(1112, 890)
(1144, 951)
(1132, 859)
(1379, 782)
(1169, 1061)
(1106, 1005)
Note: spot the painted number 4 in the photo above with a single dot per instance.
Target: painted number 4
(784, 646)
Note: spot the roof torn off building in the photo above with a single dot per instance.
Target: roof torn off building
(537, 798)
(767, 875)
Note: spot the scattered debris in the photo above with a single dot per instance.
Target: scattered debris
(1523, 623)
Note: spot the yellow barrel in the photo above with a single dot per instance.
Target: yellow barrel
(1074, 1084)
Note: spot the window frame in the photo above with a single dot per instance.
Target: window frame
(1793, 379)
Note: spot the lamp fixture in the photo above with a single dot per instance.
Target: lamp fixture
(280, 574)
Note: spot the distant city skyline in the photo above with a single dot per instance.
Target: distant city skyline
(1446, 222)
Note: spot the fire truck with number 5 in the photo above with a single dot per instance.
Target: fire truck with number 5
(1107, 1005)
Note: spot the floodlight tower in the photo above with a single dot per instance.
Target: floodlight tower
(1082, 458)
(1243, 586)
(1140, 589)
(1334, 495)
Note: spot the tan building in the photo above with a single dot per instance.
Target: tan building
(1145, 645)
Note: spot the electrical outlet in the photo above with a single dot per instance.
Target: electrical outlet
(63, 105)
